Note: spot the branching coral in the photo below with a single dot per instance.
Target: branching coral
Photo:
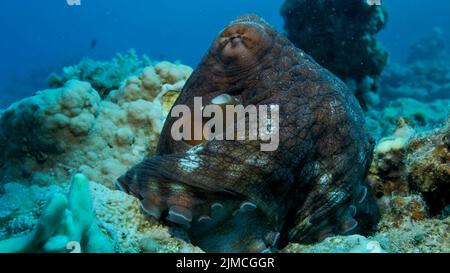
(340, 35)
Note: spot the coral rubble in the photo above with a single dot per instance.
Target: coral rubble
(340, 35)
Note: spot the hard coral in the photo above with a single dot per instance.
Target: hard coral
(410, 163)
(74, 129)
(386, 175)
(103, 76)
(429, 167)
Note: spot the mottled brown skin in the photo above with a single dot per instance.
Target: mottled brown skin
(305, 190)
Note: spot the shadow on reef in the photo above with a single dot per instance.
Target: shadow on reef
(308, 189)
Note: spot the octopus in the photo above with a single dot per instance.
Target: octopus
(228, 195)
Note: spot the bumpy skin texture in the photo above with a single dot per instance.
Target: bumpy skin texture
(232, 197)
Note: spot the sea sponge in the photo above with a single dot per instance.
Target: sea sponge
(47, 226)
(119, 223)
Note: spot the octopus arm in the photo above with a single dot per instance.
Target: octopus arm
(211, 173)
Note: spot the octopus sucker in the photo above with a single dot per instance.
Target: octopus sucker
(352, 210)
(180, 215)
(362, 194)
(231, 196)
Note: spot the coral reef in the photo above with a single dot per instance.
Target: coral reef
(103, 76)
(426, 236)
(18, 214)
(410, 173)
(425, 76)
(47, 139)
(339, 244)
(119, 225)
(428, 166)
(340, 35)
(121, 216)
(74, 129)
(383, 122)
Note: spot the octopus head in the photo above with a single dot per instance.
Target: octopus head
(244, 42)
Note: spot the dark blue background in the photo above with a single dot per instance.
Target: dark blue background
(40, 36)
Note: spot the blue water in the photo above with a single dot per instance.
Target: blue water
(40, 36)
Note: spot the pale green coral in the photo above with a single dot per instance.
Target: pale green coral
(47, 226)
(65, 219)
